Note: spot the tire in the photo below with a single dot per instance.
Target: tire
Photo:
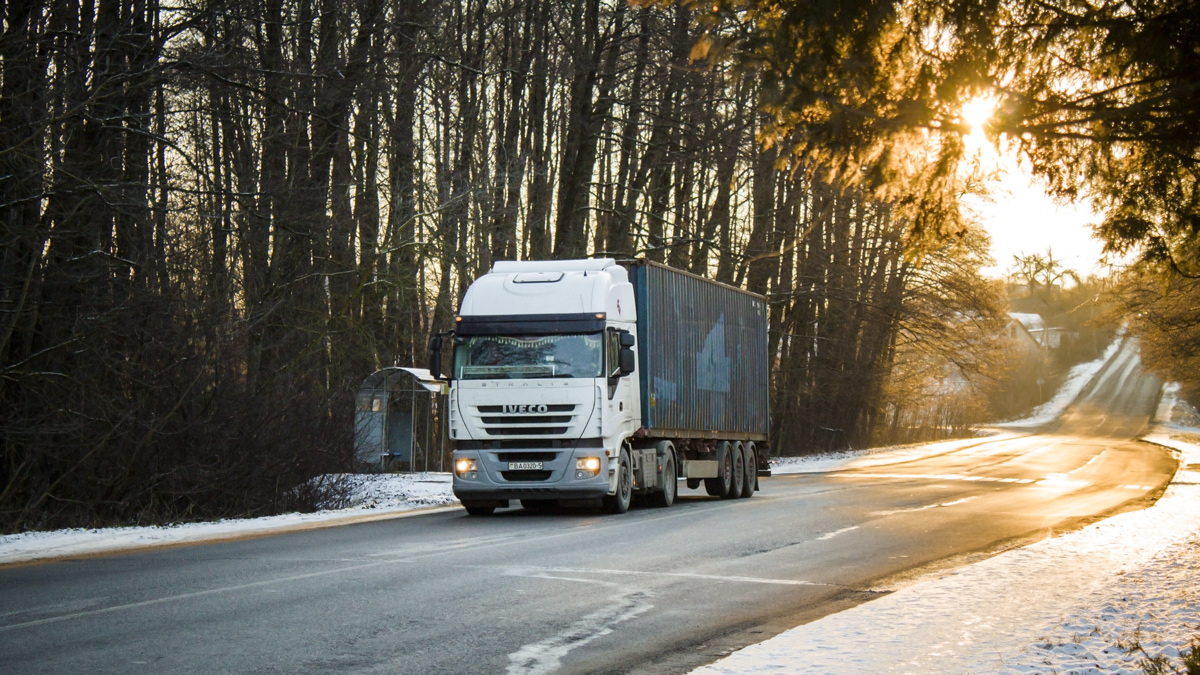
(670, 486)
(720, 486)
(751, 480)
(478, 509)
(738, 480)
(619, 503)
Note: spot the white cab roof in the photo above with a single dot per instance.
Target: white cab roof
(521, 288)
(588, 265)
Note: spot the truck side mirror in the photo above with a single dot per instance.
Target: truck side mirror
(627, 360)
(435, 356)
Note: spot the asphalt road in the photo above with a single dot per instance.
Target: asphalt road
(654, 590)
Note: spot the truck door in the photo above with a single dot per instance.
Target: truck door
(621, 404)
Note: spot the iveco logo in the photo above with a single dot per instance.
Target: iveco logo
(526, 408)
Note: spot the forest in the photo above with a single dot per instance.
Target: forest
(217, 218)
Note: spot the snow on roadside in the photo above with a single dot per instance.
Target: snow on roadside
(367, 496)
(1097, 600)
(397, 490)
(1077, 378)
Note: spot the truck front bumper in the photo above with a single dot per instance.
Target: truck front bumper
(498, 475)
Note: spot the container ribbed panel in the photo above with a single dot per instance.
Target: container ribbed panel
(702, 355)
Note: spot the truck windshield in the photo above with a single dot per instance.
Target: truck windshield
(495, 357)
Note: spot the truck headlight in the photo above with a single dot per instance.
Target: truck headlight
(586, 467)
(465, 468)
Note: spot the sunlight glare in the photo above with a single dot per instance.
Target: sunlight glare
(977, 112)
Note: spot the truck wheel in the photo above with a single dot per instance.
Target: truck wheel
(670, 485)
(478, 509)
(720, 486)
(751, 479)
(619, 503)
(738, 480)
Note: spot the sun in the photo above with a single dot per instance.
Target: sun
(977, 112)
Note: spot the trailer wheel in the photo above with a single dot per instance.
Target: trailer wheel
(721, 485)
(619, 503)
(666, 496)
(738, 480)
(478, 509)
(751, 479)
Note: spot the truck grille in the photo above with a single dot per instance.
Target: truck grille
(555, 407)
(526, 456)
(500, 420)
(529, 419)
(525, 431)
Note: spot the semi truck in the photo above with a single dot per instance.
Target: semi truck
(592, 381)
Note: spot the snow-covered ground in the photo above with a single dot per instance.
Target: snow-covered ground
(1105, 599)
(367, 497)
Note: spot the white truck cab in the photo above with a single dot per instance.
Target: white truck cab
(540, 405)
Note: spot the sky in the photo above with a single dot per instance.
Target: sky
(1019, 216)
(1022, 219)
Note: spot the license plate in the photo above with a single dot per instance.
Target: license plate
(523, 466)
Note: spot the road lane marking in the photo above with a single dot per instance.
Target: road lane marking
(830, 535)
(1060, 480)
(956, 502)
(524, 570)
(1085, 464)
(939, 476)
(526, 574)
(1054, 480)
(542, 658)
(196, 594)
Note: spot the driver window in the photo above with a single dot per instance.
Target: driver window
(613, 353)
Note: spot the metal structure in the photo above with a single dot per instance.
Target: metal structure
(702, 354)
(396, 417)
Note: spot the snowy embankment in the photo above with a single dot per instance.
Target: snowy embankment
(1104, 599)
(368, 497)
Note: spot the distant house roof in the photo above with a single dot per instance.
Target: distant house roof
(1017, 331)
(1031, 322)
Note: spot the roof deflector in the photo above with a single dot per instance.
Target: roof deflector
(537, 277)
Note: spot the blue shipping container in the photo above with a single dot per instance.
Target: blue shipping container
(702, 355)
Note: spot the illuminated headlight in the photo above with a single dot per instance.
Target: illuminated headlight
(465, 468)
(586, 467)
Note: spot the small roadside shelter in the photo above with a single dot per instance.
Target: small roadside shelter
(395, 421)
